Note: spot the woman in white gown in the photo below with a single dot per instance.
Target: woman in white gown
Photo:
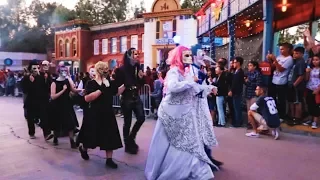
(177, 147)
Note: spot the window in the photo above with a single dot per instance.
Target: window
(142, 43)
(60, 48)
(74, 47)
(114, 45)
(104, 46)
(169, 29)
(134, 41)
(96, 47)
(123, 44)
(67, 46)
(158, 30)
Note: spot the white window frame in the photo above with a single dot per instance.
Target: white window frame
(96, 47)
(123, 44)
(114, 48)
(134, 44)
(142, 42)
(104, 46)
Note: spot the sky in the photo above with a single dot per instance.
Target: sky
(71, 3)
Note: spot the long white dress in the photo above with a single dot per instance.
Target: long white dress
(177, 147)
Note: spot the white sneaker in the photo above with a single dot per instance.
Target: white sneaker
(275, 134)
(307, 123)
(252, 134)
(314, 125)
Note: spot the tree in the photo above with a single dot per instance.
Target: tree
(102, 11)
(137, 10)
(195, 5)
(293, 38)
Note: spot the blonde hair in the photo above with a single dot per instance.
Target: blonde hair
(100, 65)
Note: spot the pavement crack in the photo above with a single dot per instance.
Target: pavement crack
(70, 150)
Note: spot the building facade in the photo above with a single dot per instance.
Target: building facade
(80, 45)
(165, 21)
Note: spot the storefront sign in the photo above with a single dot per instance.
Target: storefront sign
(265, 68)
(163, 41)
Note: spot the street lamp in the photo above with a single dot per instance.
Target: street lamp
(176, 40)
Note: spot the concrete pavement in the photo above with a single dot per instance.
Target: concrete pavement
(293, 157)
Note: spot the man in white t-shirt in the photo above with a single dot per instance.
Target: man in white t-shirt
(282, 65)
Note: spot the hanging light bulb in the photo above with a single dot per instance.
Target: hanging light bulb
(248, 23)
(284, 8)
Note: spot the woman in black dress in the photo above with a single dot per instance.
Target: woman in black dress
(62, 113)
(99, 127)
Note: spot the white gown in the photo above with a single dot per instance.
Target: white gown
(177, 147)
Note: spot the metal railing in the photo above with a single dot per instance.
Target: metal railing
(145, 97)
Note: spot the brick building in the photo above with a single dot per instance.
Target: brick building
(80, 45)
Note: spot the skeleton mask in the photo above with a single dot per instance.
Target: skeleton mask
(187, 57)
(92, 72)
(134, 57)
(35, 69)
(63, 72)
(45, 65)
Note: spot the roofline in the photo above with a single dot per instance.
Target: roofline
(117, 24)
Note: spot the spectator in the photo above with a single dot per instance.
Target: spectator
(313, 90)
(236, 91)
(11, 84)
(296, 82)
(263, 113)
(211, 97)
(156, 95)
(222, 85)
(283, 65)
(252, 80)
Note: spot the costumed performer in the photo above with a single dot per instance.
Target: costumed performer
(177, 149)
(62, 113)
(132, 77)
(99, 127)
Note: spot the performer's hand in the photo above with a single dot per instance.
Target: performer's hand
(195, 79)
(65, 87)
(31, 78)
(215, 91)
(230, 94)
(121, 89)
(308, 70)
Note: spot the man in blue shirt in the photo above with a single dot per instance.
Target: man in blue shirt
(263, 114)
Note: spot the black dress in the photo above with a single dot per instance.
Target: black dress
(62, 113)
(99, 127)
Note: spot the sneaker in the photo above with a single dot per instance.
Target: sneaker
(275, 134)
(307, 123)
(32, 137)
(314, 125)
(252, 134)
(48, 137)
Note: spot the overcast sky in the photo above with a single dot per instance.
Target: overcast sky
(71, 3)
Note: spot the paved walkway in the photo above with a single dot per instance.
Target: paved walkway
(291, 158)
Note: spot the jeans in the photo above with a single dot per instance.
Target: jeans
(279, 94)
(128, 105)
(220, 107)
(237, 118)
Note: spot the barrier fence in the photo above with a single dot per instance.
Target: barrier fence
(145, 97)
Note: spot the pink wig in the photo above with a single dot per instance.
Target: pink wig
(175, 58)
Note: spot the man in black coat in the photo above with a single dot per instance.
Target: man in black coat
(36, 101)
(131, 76)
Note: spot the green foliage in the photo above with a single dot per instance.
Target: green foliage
(293, 38)
(195, 5)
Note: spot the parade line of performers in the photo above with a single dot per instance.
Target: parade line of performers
(183, 137)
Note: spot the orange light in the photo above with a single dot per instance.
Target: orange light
(284, 2)
(284, 8)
